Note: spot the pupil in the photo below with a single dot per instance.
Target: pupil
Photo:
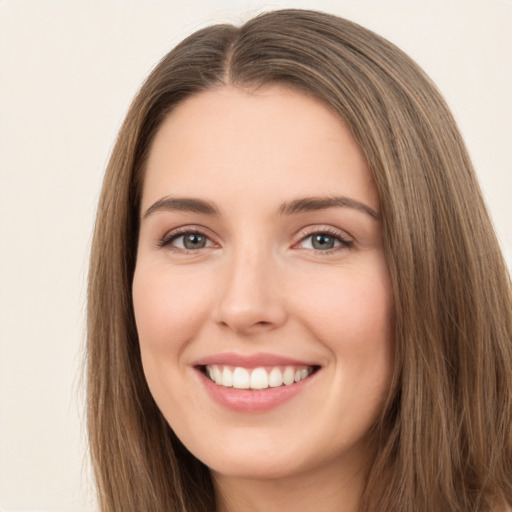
(194, 241)
(323, 242)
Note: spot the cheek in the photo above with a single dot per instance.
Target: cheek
(352, 314)
(356, 307)
(168, 310)
(168, 314)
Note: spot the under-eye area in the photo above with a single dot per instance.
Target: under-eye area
(258, 378)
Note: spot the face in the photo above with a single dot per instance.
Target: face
(261, 293)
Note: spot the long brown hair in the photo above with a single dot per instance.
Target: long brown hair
(443, 440)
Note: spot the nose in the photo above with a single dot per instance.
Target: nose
(250, 299)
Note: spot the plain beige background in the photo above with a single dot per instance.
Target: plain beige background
(68, 70)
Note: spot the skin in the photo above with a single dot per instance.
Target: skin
(260, 285)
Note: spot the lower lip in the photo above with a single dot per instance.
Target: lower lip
(245, 400)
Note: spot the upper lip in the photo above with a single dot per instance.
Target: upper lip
(251, 360)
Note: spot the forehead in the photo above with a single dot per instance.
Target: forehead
(232, 142)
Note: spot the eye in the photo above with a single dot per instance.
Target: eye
(186, 241)
(324, 241)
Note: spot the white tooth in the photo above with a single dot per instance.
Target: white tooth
(297, 376)
(259, 379)
(275, 379)
(241, 378)
(304, 373)
(210, 373)
(289, 375)
(217, 375)
(227, 377)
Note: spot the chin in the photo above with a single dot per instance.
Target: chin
(267, 458)
(256, 469)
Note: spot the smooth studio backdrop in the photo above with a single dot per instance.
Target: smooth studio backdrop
(68, 71)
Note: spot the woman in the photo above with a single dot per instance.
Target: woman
(296, 297)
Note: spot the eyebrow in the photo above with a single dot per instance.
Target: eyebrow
(310, 204)
(302, 205)
(184, 204)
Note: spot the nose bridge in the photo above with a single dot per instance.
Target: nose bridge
(249, 296)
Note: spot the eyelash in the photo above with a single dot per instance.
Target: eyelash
(344, 243)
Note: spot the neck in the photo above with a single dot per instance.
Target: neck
(323, 489)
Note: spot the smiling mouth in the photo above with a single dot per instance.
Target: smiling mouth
(258, 378)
